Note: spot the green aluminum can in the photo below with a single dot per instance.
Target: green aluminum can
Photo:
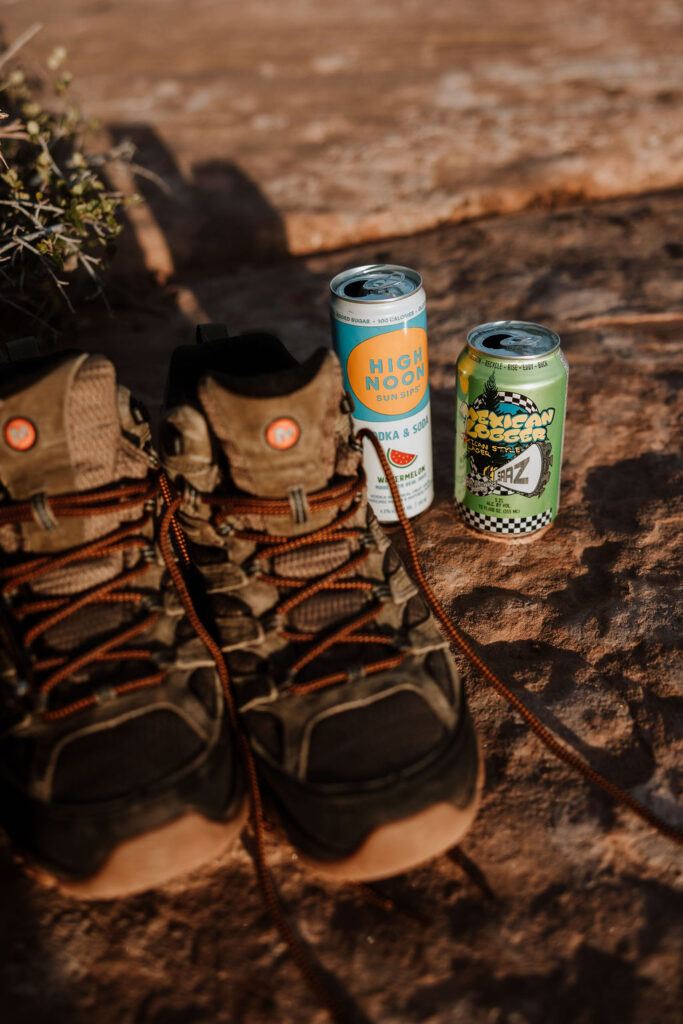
(511, 397)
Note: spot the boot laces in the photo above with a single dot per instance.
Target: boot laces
(296, 590)
(44, 673)
(267, 547)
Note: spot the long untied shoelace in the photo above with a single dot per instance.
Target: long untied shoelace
(267, 547)
(44, 674)
(539, 730)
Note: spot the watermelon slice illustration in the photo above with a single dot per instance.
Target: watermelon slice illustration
(400, 459)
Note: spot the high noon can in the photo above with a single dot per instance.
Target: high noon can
(511, 396)
(379, 331)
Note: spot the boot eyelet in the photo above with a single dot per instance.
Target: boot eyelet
(355, 673)
(251, 567)
(272, 622)
(223, 528)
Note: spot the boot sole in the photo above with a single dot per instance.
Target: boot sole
(150, 860)
(405, 844)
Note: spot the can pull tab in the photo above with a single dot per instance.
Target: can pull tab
(385, 285)
(514, 345)
(496, 340)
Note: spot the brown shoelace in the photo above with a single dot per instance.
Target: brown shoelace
(539, 730)
(268, 546)
(168, 533)
(44, 674)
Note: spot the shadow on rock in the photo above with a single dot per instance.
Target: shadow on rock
(209, 247)
(215, 219)
(594, 594)
(595, 987)
(443, 438)
(618, 496)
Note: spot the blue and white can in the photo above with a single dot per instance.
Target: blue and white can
(379, 332)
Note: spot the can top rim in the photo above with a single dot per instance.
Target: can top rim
(341, 281)
(513, 339)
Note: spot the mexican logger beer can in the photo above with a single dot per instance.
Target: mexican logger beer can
(511, 395)
(379, 331)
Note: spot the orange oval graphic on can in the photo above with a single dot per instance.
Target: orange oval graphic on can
(389, 373)
(282, 433)
(20, 434)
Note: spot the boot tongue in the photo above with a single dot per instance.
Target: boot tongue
(61, 434)
(279, 432)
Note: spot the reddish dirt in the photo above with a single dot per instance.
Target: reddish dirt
(558, 907)
(304, 128)
(360, 120)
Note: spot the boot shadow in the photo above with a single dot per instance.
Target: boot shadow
(209, 247)
(213, 220)
(35, 987)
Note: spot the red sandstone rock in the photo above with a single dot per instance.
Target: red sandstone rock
(324, 125)
(558, 907)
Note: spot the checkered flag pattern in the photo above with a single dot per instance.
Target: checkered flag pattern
(512, 398)
(481, 485)
(513, 526)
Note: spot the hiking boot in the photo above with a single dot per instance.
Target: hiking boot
(345, 688)
(117, 767)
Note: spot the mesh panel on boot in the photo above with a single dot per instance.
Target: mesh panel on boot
(93, 431)
(94, 428)
(92, 423)
(115, 762)
(325, 608)
(101, 621)
(73, 579)
(99, 455)
(364, 743)
(312, 561)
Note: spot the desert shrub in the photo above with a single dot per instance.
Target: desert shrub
(58, 218)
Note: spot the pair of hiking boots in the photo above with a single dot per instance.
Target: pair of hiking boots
(169, 628)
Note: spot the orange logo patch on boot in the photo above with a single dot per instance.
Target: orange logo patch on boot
(282, 433)
(20, 434)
